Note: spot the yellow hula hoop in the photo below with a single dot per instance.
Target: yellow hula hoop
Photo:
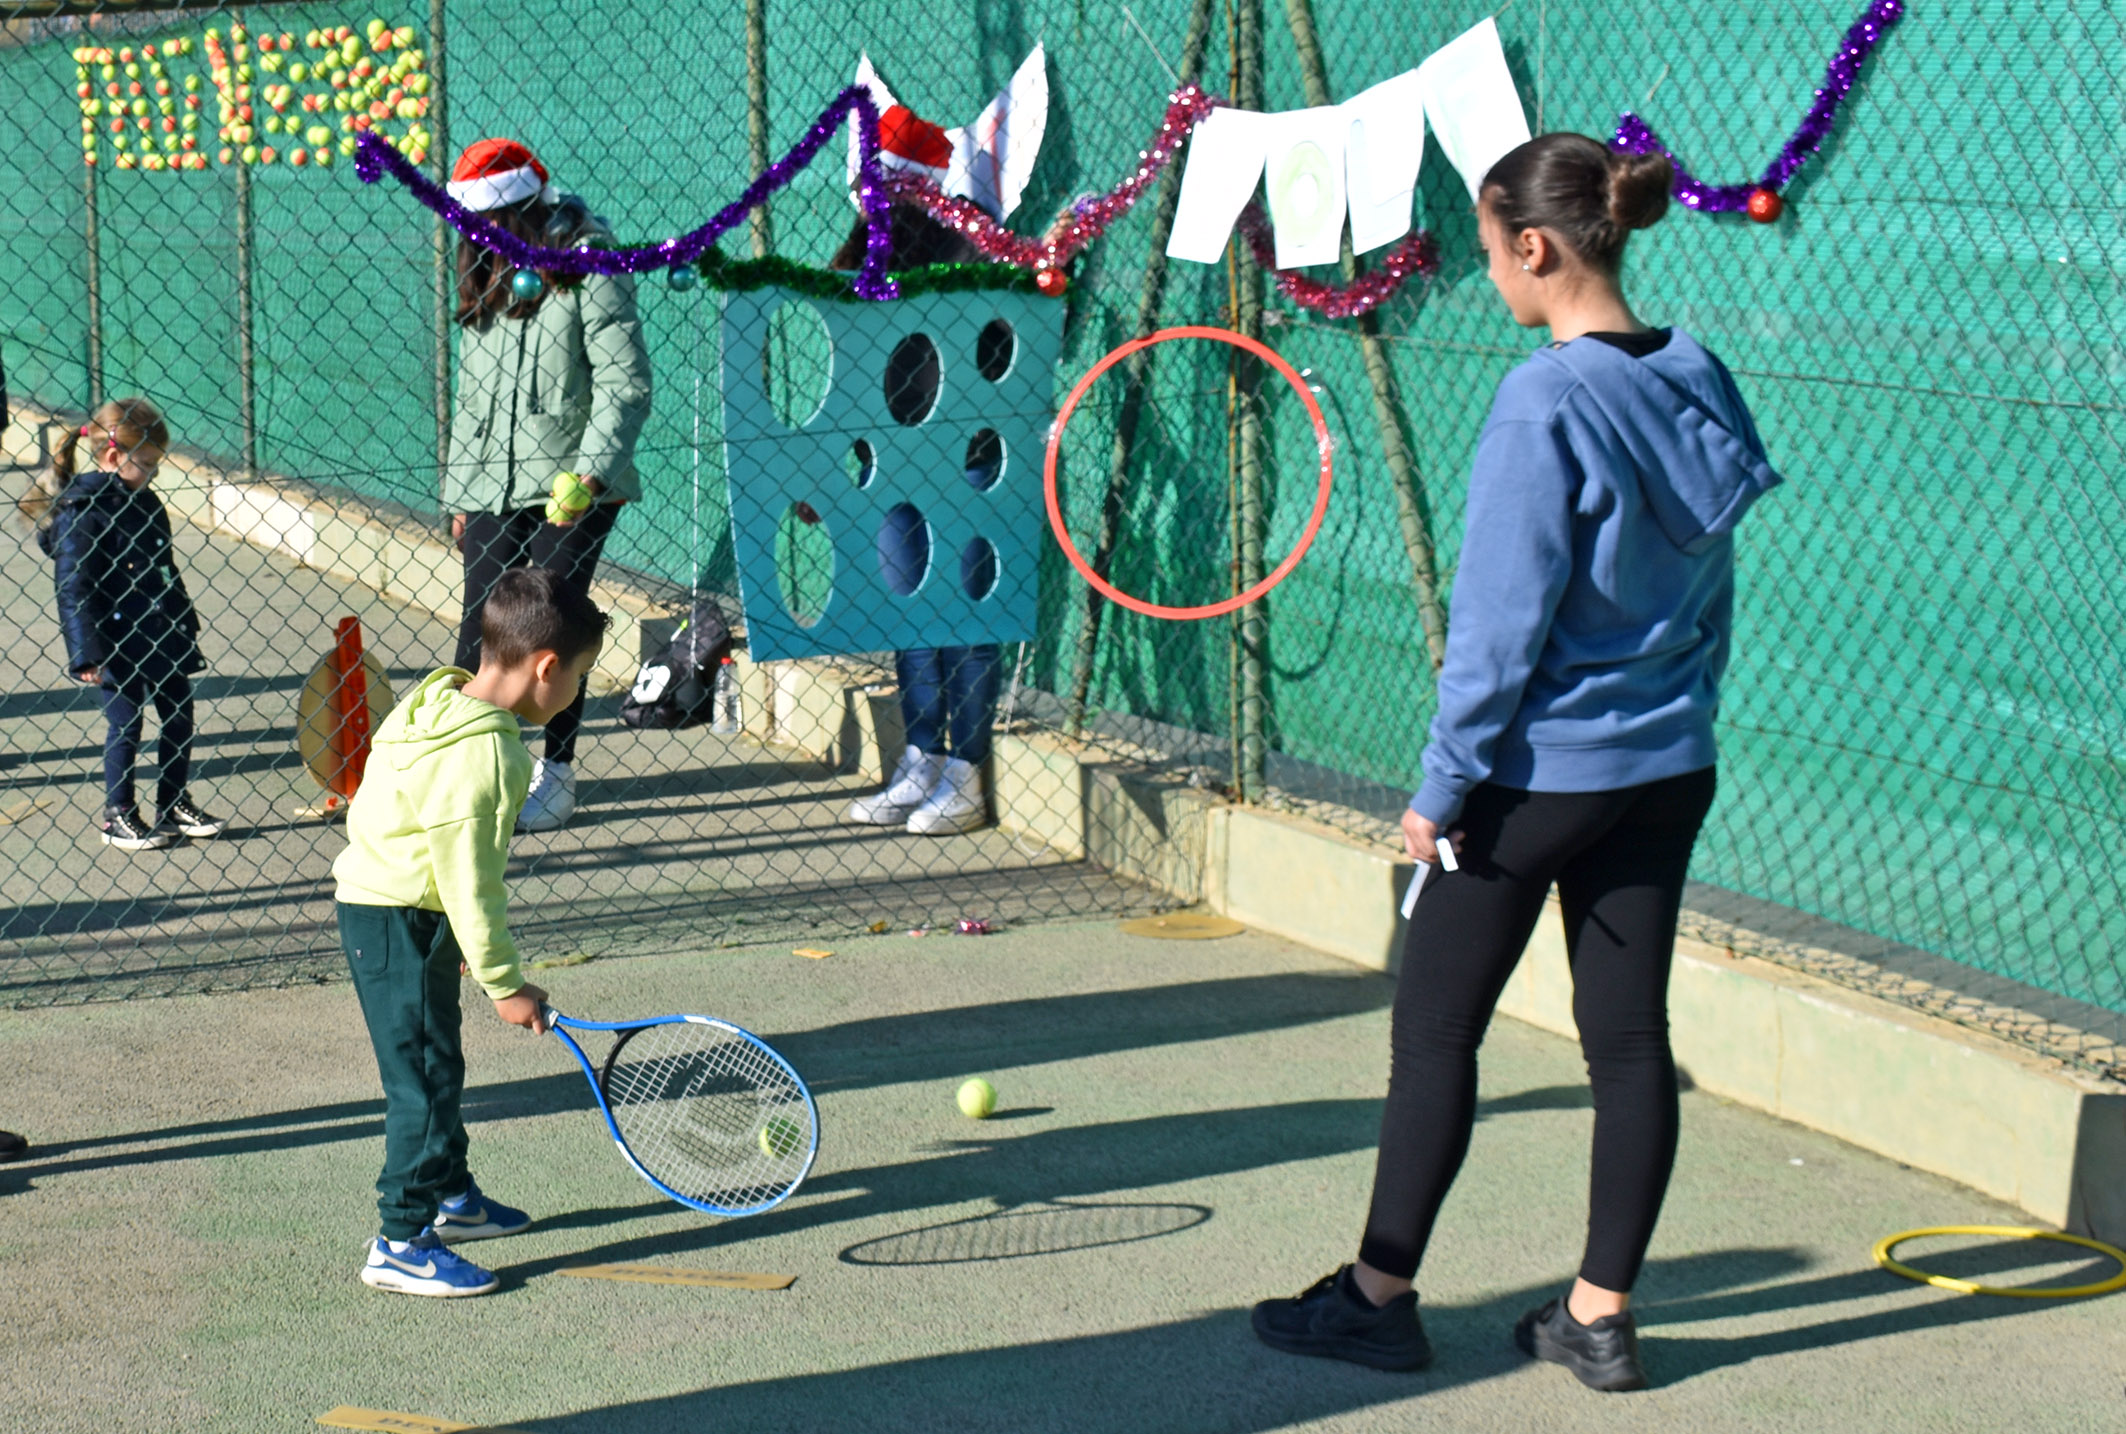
(2013, 1232)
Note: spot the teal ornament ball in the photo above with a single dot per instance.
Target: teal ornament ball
(682, 277)
(526, 285)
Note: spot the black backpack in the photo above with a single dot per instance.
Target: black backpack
(677, 688)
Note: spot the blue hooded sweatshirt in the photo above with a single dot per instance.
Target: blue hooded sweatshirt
(1591, 612)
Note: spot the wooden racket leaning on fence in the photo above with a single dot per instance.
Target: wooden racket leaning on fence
(346, 696)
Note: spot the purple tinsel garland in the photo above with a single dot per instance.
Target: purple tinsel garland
(374, 156)
(1637, 136)
(1091, 216)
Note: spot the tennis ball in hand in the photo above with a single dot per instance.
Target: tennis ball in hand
(571, 500)
(780, 1136)
(977, 1099)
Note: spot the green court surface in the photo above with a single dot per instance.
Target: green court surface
(1183, 1128)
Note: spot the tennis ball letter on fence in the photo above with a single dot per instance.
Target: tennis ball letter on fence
(230, 67)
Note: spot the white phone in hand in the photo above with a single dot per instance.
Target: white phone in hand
(1417, 878)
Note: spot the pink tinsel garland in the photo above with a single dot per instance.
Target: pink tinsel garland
(1088, 219)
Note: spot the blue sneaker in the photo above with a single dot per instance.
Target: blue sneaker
(424, 1265)
(472, 1216)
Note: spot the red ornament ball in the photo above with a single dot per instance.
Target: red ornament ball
(1052, 282)
(1765, 207)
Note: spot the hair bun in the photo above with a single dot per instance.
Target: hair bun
(1638, 189)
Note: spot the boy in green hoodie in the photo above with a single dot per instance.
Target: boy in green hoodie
(420, 888)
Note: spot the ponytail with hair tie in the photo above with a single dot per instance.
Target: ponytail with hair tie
(1589, 196)
(124, 423)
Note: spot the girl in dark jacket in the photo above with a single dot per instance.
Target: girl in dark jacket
(130, 626)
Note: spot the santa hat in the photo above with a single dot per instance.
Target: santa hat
(987, 161)
(495, 172)
(915, 145)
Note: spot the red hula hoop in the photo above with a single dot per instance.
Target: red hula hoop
(1276, 576)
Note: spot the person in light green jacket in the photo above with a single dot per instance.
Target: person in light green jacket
(553, 387)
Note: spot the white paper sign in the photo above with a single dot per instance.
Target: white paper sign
(1384, 148)
(993, 157)
(1469, 97)
(1304, 174)
(1225, 154)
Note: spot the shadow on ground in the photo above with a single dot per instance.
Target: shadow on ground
(1207, 1372)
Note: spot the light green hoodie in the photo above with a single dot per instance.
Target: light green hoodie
(431, 824)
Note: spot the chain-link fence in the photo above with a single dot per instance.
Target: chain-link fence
(1918, 734)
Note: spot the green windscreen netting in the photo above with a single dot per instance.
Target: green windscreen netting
(1920, 734)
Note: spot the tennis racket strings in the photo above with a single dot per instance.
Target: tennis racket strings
(708, 1113)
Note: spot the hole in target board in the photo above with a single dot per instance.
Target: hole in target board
(994, 349)
(985, 460)
(914, 373)
(860, 463)
(904, 549)
(804, 563)
(978, 569)
(796, 363)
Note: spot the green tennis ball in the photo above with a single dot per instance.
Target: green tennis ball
(780, 1136)
(977, 1099)
(571, 499)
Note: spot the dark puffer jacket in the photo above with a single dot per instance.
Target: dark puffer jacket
(122, 605)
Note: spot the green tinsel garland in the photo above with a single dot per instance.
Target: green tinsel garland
(721, 272)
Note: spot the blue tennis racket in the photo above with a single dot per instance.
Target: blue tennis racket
(704, 1111)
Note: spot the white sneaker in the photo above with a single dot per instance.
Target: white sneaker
(955, 805)
(912, 782)
(552, 798)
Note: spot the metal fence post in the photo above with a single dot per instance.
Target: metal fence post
(92, 226)
(1410, 510)
(1250, 624)
(1135, 375)
(246, 357)
(757, 118)
(445, 237)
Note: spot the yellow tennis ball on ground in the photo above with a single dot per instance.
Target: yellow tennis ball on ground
(780, 1136)
(572, 499)
(977, 1099)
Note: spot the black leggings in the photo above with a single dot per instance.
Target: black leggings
(1618, 860)
(496, 542)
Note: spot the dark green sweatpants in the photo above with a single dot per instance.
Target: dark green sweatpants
(405, 964)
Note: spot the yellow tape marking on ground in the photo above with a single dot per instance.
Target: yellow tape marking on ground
(28, 807)
(812, 953)
(349, 1417)
(1184, 926)
(662, 1275)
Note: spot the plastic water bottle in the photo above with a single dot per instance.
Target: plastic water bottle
(728, 721)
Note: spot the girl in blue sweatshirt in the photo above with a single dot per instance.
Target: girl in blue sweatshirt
(1573, 746)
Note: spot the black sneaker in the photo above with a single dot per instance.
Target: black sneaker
(1333, 1320)
(185, 815)
(12, 1146)
(123, 828)
(1603, 1355)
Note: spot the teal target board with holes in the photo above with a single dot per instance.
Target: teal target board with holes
(885, 467)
